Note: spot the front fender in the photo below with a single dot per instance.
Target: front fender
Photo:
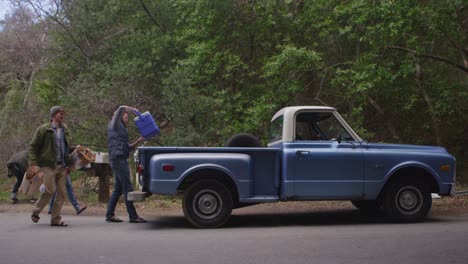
(408, 164)
(374, 187)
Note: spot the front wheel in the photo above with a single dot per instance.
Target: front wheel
(407, 201)
(207, 204)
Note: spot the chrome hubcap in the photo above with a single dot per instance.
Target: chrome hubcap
(207, 204)
(409, 200)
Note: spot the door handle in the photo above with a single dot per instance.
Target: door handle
(302, 152)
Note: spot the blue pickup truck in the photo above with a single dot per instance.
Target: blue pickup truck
(312, 154)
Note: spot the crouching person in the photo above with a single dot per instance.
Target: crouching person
(17, 165)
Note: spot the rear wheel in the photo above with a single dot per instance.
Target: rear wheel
(207, 204)
(407, 201)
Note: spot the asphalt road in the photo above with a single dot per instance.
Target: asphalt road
(343, 236)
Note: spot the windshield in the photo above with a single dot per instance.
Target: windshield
(319, 126)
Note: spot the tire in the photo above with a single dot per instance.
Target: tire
(207, 204)
(369, 206)
(243, 140)
(407, 201)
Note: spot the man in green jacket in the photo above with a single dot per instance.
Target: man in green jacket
(48, 153)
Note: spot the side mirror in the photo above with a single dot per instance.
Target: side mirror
(339, 139)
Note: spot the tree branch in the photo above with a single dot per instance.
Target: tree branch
(149, 14)
(430, 56)
(56, 20)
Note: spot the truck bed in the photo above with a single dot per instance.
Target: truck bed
(262, 182)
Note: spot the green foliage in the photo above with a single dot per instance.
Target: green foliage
(46, 94)
(210, 69)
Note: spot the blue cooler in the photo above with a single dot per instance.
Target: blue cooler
(146, 125)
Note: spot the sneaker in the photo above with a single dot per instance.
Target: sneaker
(32, 200)
(13, 198)
(114, 219)
(81, 210)
(138, 220)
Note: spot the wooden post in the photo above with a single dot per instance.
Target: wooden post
(104, 172)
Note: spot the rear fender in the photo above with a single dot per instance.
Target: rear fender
(210, 171)
(186, 167)
(207, 166)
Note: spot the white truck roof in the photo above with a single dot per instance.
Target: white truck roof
(288, 114)
(291, 110)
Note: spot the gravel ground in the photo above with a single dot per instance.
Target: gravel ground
(443, 206)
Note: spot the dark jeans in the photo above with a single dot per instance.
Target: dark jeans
(19, 180)
(123, 185)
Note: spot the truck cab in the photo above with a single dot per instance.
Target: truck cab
(322, 155)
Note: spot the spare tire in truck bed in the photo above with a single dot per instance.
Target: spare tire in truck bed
(243, 140)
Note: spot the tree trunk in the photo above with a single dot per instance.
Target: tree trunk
(388, 123)
(425, 96)
(30, 85)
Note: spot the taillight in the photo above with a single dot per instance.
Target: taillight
(168, 167)
(140, 169)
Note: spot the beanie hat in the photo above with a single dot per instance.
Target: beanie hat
(54, 110)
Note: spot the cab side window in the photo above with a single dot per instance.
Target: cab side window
(319, 126)
(305, 127)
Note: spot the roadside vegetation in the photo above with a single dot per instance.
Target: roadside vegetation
(206, 70)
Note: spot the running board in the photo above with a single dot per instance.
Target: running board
(260, 199)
